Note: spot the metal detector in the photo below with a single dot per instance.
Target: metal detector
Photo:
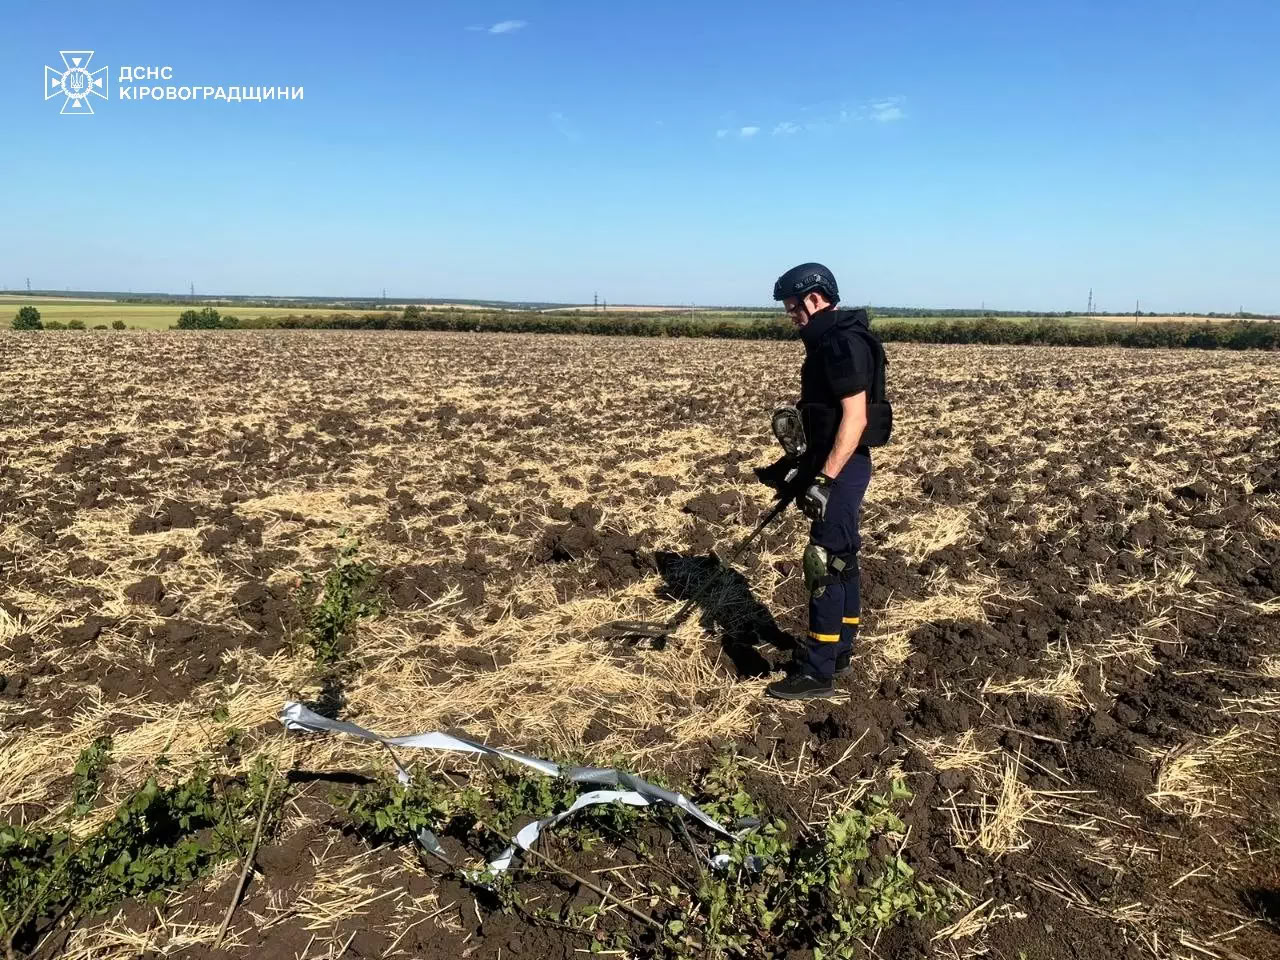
(789, 429)
(655, 633)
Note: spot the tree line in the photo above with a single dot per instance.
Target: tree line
(28, 318)
(1227, 335)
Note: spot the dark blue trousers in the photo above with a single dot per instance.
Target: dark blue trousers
(835, 612)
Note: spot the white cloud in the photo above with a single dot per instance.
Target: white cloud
(564, 127)
(820, 119)
(502, 26)
(887, 110)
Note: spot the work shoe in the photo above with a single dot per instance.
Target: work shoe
(844, 664)
(800, 686)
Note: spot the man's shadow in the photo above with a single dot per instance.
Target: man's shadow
(727, 607)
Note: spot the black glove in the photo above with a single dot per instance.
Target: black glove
(778, 474)
(815, 499)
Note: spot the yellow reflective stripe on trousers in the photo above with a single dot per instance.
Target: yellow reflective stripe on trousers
(854, 620)
(825, 637)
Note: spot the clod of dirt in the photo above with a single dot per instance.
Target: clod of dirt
(1100, 728)
(483, 659)
(855, 733)
(87, 499)
(974, 651)
(949, 485)
(664, 486)
(21, 645)
(413, 585)
(619, 557)
(264, 608)
(215, 541)
(87, 631)
(471, 576)
(171, 515)
(586, 514)
(148, 591)
(289, 864)
(231, 528)
(187, 654)
(1199, 490)
(13, 685)
(568, 542)
(621, 561)
(936, 715)
(712, 507)
(86, 567)
(479, 510)
(596, 731)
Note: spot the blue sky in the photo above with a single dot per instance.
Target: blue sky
(932, 153)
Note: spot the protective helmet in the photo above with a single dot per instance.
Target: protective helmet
(804, 279)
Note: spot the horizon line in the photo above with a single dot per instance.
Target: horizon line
(372, 303)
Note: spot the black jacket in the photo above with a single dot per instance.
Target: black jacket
(838, 363)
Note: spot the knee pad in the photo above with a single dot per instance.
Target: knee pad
(822, 569)
(816, 576)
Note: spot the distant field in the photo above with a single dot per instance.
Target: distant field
(630, 308)
(164, 316)
(20, 299)
(1145, 319)
(145, 316)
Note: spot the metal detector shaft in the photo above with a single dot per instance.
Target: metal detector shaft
(683, 613)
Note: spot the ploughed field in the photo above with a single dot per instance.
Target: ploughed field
(1070, 653)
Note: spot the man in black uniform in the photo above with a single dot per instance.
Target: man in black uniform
(840, 367)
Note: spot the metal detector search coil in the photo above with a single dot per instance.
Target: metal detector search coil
(789, 429)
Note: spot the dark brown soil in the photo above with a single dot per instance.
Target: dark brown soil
(612, 559)
(1077, 517)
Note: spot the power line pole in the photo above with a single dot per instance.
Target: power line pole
(28, 284)
(193, 289)
(595, 301)
(1089, 309)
